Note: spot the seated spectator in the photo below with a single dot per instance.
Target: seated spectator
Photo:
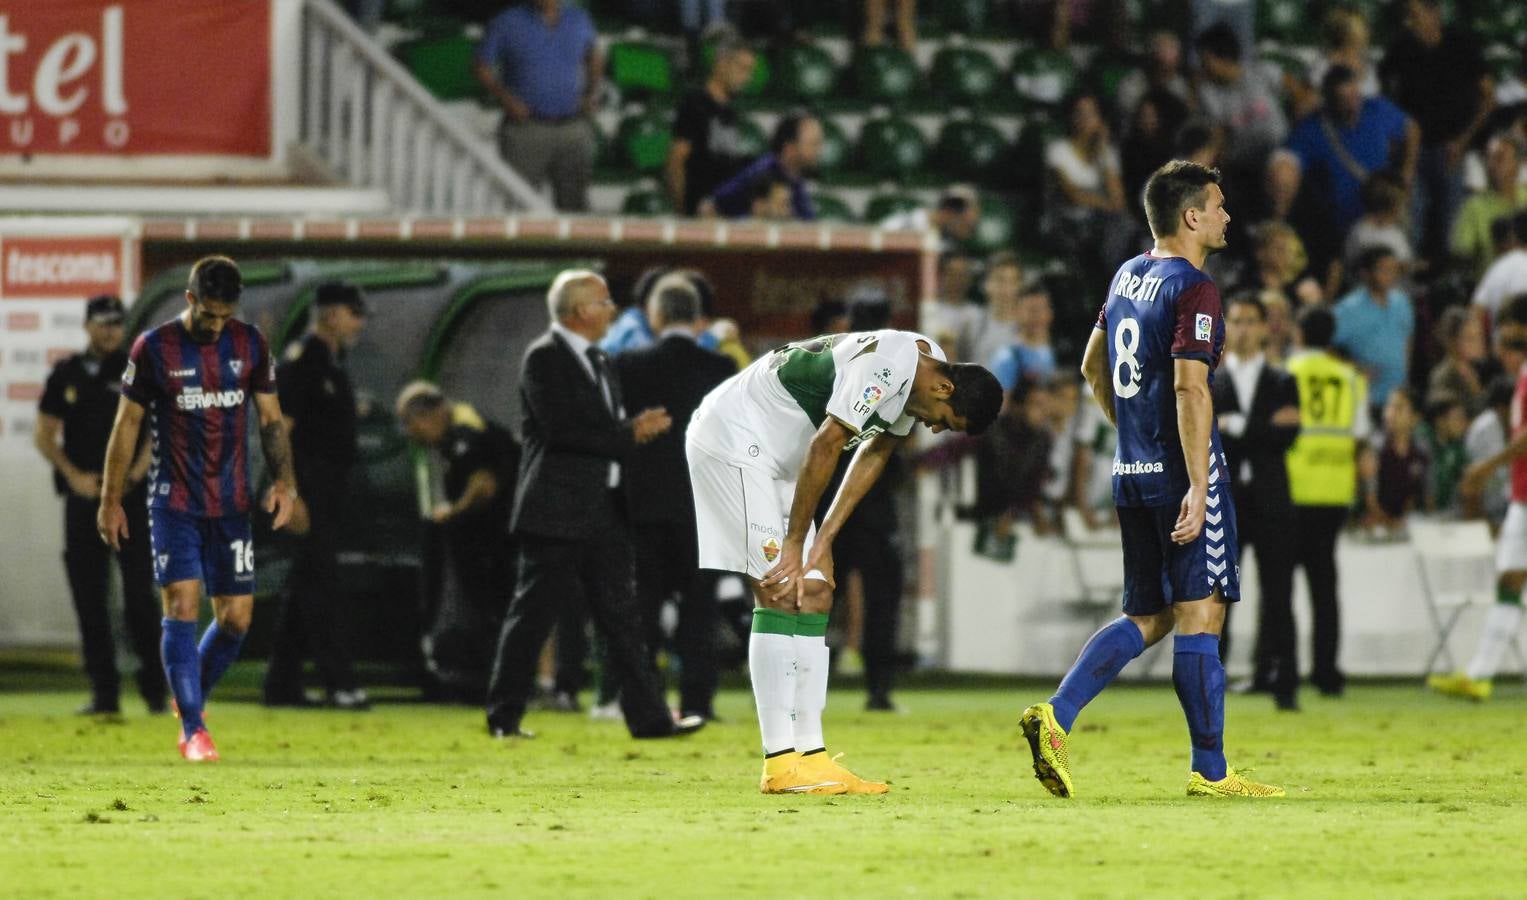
(706, 146)
(1200, 142)
(1507, 275)
(771, 199)
(1084, 214)
(1486, 437)
(1278, 266)
(1375, 324)
(794, 150)
(1002, 286)
(1286, 198)
(1461, 336)
(1243, 98)
(950, 317)
(1032, 356)
(1013, 459)
(1150, 137)
(1400, 486)
(1161, 73)
(1348, 140)
(1447, 422)
(1383, 221)
(955, 217)
(1505, 196)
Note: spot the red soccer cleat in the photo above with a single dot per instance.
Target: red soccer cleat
(198, 747)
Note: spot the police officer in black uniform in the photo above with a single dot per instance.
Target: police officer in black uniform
(319, 404)
(79, 404)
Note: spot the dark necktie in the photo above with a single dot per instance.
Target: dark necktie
(601, 380)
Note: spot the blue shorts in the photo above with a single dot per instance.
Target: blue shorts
(1158, 572)
(216, 552)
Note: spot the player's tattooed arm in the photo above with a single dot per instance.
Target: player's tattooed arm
(1095, 370)
(277, 444)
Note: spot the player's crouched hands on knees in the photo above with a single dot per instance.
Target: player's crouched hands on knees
(650, 423)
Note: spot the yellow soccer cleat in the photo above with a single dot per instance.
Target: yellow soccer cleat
(784, 775)
(1460, 685)
(824, 768)
(1234, 784)
(1047, 743)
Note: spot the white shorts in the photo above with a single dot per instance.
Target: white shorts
(1511, 546)
(741, 515)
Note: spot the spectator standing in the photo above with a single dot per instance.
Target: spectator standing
(1375, 324)
(955, 217)
(1032, 356)
(674, 374)
(1486, 437)
(794, 149)
(1002, 286)
(950, 318)
(1399, 487)
(1258, 410)
(541, 62)
(1382, 223)
(1323, 476)
(1344, 40)
(573, 532)
(74, 420)
(1243, 98)
(707, 144)
(1447, 422)
(319, 404)
(1348, 140)
(1161, 72)
(1073, 424)
(1507, 275)
(1438, 76)
(1013, 462)
(1461, 335)
(1472, 243)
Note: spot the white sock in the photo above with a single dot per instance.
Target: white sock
(1500, 629)
(771, 665)
(810, 690)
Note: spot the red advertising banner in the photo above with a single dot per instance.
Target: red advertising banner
(135, 77)
(59, 268)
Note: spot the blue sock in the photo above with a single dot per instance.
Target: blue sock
(219, 648)
(182, 667)
(1100, 662)
(1199, 677)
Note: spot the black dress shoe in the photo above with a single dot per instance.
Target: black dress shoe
(157, 707)
(288, 701)
(681, 726)
(880, 703)
(515, 733)
(97, 708)
(1286, 702)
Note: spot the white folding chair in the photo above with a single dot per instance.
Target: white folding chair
(1456, 563)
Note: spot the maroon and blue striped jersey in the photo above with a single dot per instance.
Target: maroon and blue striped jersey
(197, 400)
(1158, 310)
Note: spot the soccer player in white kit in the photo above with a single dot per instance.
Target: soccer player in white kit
(762, 448)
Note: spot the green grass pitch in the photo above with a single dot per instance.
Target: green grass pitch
(1392, 793)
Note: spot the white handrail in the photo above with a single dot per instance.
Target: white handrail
(374, 125)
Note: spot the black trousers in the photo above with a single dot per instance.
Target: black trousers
(597, 570)
(86, 559)
(868, 547)
(308, 624)
(1318, 528)
(1275, 663)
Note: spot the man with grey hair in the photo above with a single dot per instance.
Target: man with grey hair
(674, 373)
(569, 516)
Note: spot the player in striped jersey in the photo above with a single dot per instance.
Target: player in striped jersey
(192, 378)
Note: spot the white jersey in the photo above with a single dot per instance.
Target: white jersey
(764, 417)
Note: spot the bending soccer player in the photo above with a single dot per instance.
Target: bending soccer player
(761, 448)
(1150, 362)
(192, 377)
(1505, 617)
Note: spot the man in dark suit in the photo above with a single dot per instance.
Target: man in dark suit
(569, 516)
(1257, 404)
(674, 373)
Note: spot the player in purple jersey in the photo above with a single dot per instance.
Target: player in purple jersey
(1150, 362)
(192, 377)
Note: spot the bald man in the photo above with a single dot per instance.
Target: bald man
(568, 514)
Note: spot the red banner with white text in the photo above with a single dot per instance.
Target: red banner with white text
(136, 77)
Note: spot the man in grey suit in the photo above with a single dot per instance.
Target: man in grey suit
(569, 516)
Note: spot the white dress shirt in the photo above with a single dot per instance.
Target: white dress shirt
(1244, 371)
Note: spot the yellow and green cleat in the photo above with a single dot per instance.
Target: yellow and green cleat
(1460, 685)
(1234, 784)
(1047, 743)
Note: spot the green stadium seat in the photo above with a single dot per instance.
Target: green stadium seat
(443, 64)
(804, 72)
(646, 203)
(891, 148)
(972, 150)
(752, 140)
(1504, 21)
(964, 75)
(640, 68)
(1043, 76)
(1287, 22)
(971, 17)
(642, 142)
(1106, 72)
(835, 146)
(885, 74)
(831, 208)
(997, 229)
(883, 206)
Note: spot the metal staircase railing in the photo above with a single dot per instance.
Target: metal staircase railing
(373, 125)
